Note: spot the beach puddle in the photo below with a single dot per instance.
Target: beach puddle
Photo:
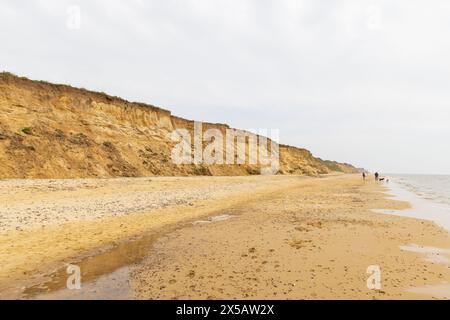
(114, 286)
(439, 291)
(218, 218)
(432, 254)
(105, 275)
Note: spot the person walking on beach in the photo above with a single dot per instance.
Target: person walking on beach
(364, 176)
(376, 176)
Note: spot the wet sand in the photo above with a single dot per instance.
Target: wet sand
(281, 237)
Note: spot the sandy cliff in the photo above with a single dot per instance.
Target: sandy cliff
(56, 131)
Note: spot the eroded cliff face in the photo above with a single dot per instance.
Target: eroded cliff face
(56, 131)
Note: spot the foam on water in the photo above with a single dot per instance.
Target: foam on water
(429, 196)
(435, 188)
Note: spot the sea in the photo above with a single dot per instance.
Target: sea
(429, 196)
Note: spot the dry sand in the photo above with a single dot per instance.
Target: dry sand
(282, 237)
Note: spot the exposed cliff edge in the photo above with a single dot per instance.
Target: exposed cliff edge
(57, 131)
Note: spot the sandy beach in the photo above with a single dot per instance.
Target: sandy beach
(277, 237)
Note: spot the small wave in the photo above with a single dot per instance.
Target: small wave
(435, 188)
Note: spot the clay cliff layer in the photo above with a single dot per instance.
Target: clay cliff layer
(57, 131)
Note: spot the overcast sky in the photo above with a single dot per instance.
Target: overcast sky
(365, 82)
